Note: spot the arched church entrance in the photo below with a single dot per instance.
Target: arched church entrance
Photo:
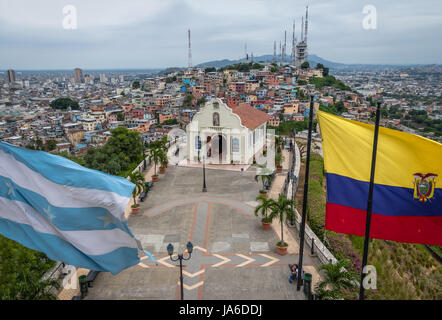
(219, 149)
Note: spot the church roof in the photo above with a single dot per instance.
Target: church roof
(250, 117)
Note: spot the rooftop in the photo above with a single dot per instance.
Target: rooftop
(250, 117)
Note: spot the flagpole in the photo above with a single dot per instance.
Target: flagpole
(370, 199)
(304, 202)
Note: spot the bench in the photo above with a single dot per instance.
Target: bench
(148, 185)
(77, 298)
(91, 277)
(143, 196)
(266, 185)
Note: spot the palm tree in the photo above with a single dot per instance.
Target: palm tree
(155, 156)
(266, 177)
(164, 145)
(266, 204)
(160, 144)
(138, 180)
(163, 157)
(278, 140)
(282, 208)
(337, 279)
(279, 158)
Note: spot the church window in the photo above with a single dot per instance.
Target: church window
(215, 119)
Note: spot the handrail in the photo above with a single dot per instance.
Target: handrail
(319, 249)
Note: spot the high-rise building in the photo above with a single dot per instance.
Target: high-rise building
(10, 75)
(78, 75)
(103, 77)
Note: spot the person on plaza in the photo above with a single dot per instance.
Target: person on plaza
(294, 272)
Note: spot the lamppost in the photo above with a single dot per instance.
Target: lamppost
(204, 175)
(180, 257)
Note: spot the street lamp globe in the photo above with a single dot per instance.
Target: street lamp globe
(170, 249)
(189, 247)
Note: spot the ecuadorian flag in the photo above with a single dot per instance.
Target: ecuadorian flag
(407, 195)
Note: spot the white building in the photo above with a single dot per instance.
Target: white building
(226, 134)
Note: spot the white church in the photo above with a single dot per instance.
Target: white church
(225, 135)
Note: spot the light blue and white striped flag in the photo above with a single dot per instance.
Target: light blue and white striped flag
(71, 213)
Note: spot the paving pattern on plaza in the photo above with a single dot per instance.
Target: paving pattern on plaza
(227, 237)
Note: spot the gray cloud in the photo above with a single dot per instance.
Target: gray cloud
(152, 33)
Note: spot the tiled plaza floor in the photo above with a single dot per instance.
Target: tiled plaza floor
(233, 258)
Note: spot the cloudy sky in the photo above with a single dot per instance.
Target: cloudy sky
(153, 33)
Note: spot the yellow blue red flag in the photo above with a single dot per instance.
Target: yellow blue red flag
(407, 194)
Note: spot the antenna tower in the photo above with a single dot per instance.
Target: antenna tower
(190, 53)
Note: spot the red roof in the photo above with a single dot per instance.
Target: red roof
(250, 117)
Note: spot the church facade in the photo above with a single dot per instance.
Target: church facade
(225, 135)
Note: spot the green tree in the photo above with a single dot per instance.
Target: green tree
(257, 66)
(64, 103)
(170, 121)
(38, 144)
(21, 272)
(337, 280)
(51, 145)
(209, 69)
(188, 99)
(138, 180)
(123, 150)
(136, 85)
(325, 71)
(120, 116)
(171, 79)
(264, 207)
(160, 144)
(282, 209)
(264, 178)
(300, 93)
(126, 141)
(301, 82)
(113, 165)
(305, 65)
(155, 156)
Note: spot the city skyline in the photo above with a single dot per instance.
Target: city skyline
(147, 34)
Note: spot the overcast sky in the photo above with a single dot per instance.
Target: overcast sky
(153, 33)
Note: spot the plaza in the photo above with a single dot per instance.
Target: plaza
(233, 257)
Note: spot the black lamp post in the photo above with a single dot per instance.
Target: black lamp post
(204, 175)
(180, 257)
(304, 201)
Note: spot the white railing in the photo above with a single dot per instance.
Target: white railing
(311, 239)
